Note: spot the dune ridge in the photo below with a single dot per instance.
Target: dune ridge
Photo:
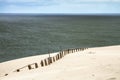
(99, 63)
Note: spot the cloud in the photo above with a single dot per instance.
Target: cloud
(60, 6)
(20, 1)
(83, 8)
(52, 2)
(92, 0)
(56, 1)
(27, 2)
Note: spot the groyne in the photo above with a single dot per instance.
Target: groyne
(49, 60)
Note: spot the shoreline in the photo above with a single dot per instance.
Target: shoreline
(51, 53)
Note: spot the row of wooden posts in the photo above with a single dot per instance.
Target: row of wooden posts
(50, 60)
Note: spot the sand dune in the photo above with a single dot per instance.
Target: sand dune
(100, 63)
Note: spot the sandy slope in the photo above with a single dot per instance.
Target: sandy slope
(102, 63)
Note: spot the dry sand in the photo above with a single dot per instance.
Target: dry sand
(100, 63)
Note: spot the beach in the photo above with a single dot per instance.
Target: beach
(98, 63)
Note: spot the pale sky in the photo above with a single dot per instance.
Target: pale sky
(60, 6)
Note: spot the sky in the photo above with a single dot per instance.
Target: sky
(61, 6)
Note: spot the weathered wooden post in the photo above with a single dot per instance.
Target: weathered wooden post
(42, 64)
(53, 59)
(49, 60)
(36, 65)
(68, 51)
(58, 56)
(18, 70)
(6, 74)
(45, 62)
(29, 67)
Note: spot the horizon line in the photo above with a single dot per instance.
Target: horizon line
(99, 14)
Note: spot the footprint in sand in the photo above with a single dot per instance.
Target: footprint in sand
(91, 52)
(113, 78)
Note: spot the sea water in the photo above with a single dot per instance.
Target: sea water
(28, 35)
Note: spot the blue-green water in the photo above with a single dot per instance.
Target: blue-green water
(22, 36)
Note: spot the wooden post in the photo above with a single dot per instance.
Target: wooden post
(6, 74)
(42, 64)
(58, 56)
(49, 60)
(53, 59)
(45, 62)
(68, 51)
(61, 55)
(18, 70)
(29, 67)
(36, 65)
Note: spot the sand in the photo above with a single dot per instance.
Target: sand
(100, 63)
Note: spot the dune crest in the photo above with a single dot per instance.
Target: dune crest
(100, 63)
